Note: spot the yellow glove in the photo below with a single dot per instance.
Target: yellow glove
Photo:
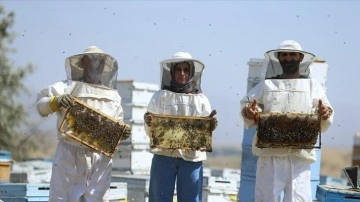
(61, 101)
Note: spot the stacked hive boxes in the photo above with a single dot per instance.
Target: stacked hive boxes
(133, 155)
(38, 192)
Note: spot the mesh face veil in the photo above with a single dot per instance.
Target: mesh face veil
(93, 67)
(273, 65)
(196, 70)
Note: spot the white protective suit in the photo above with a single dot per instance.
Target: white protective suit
(167, 102)
(287, 95)
(284, 169)
(180, 104)
(79, 173)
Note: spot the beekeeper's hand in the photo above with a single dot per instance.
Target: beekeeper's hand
(127, 132)
(214, 123)
(61, 101)
(324, 111)
(250, 111)
(148, 118)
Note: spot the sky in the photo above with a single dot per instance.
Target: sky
(224, 35)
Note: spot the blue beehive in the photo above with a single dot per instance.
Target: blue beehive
(5, 155)
(331, 194)
(19, 192)
(23, 192)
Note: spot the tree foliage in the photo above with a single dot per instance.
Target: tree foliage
(12, 113)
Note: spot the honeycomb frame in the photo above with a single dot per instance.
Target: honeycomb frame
(93, 128)
(181, 132)
(288, 130)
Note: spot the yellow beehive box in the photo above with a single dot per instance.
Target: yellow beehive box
(5, 168)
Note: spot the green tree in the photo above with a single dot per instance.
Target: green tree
(12, 113)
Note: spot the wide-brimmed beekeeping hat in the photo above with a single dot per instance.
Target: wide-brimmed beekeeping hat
(75, 68)
(274, 67)
(196, 66)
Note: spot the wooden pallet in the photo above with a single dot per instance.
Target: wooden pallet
(93, 128)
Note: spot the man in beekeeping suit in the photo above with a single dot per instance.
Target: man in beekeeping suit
(287, 88)
(180, 95)
(79, 173)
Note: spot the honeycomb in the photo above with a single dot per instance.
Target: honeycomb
(288, 130)
(179, 132)
(93, 128)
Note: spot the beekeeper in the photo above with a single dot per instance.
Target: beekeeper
(287, 88)
(79, 173)
(180, 95)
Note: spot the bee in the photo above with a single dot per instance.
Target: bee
(93, 129)
(288, 131)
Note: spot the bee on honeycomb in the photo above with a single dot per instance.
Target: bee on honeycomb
(181, 133)
(94, 129)
(279, 130)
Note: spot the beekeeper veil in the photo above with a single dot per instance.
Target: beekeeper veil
(167, 73)
(274, 68)
(93, 66)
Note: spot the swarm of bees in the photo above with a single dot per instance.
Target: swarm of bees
(293, 130)
(93, 129)
(174, 132)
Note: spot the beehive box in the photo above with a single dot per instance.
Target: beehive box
(326, 193)
(118, 192)
(288, 130)
(219, 189)
(5, 168)
(5, 155)
(24, 192)
(93, 128)
(135, 97)
(181, 132)
(137, 186)
(135, 159)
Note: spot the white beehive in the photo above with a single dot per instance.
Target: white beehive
(133, 153)
(133, 159)
(255, 73)
(135, 97)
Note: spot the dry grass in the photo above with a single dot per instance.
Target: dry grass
(223, 162)
(333, 160)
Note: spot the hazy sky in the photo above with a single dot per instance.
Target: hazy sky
(222, 34)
